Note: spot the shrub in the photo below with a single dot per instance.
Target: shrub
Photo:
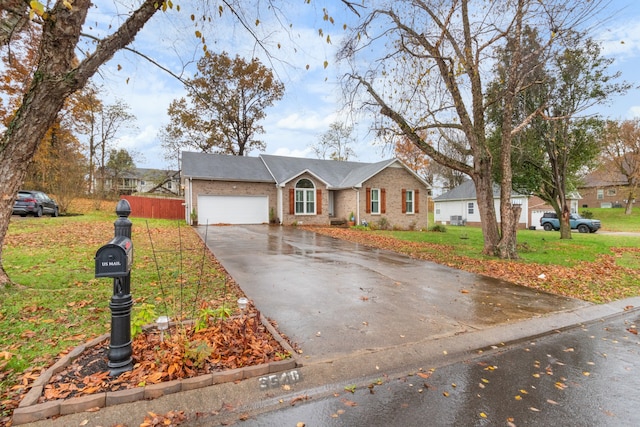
(383, 223)
(586, 214)
(439, 228)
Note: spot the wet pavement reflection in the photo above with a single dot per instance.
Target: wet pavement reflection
(332, 297)
(585, 376)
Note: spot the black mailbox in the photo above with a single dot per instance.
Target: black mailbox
(115, 258)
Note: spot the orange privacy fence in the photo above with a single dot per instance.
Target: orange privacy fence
(155, 207)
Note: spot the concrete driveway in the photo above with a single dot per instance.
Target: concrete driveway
(332, 297)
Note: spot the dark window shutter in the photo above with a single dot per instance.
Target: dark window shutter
(292, 201)
(416, 201)
(383, 201)
(367, 208)
(404, 201)
(318, 202)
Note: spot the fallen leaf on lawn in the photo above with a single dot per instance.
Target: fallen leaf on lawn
(300, 424)
(518, 397)
(586, 374)
(84, 422)
(464, 291)
(445, 394)
(424, 375)
(553, 402)
(483, 415)
(566, 350)
(534, 409)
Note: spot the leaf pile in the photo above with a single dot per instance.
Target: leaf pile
(184, 353)
(598, 281)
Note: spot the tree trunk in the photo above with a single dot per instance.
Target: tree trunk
(565, 224)
(630, 198)
(55, 79)
(490, 230)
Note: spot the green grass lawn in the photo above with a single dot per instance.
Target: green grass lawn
(615, 219)
(542, 247)
(56, 303)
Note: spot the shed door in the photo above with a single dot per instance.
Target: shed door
(233, 210)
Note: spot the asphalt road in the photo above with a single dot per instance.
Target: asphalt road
(584, 376)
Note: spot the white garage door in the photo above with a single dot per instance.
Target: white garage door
(233, 210)
(535, 218)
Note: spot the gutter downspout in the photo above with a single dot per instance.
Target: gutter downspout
(357, 215)
(279, 201)
(190, 202)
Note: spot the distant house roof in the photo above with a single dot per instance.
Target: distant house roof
(467, 191)
(150, 174)
(604, 177)
(281, 169)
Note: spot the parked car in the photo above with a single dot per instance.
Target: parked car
(549, 221)
(34, 203)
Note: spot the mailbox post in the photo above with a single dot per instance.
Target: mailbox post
(114, 260)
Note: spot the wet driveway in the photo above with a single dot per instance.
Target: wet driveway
(332, 297)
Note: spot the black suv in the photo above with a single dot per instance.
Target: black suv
(34, 203)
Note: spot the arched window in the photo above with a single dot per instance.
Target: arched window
(305, 197)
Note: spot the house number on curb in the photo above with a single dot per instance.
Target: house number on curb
(277, 380)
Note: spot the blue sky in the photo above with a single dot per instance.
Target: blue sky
(312, 96)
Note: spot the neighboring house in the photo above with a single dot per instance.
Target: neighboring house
(141, 180)
(460, 206)
(604, 189)
(222, 189)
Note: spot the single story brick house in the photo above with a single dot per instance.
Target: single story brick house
(223, 189)
(460, 206)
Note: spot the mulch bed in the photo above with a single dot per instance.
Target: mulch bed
(184, 353)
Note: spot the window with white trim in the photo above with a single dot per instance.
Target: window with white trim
(470, 208)
(408, 201)
(305, 197)
(375, 200)
(600, 193)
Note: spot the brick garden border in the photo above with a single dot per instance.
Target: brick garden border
(30, 411)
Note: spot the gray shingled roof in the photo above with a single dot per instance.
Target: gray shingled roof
(223, 167)
(278, 169)
(467, 191)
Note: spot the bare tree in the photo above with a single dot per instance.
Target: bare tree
(335, 144)
(621, 156)
(430, 80)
